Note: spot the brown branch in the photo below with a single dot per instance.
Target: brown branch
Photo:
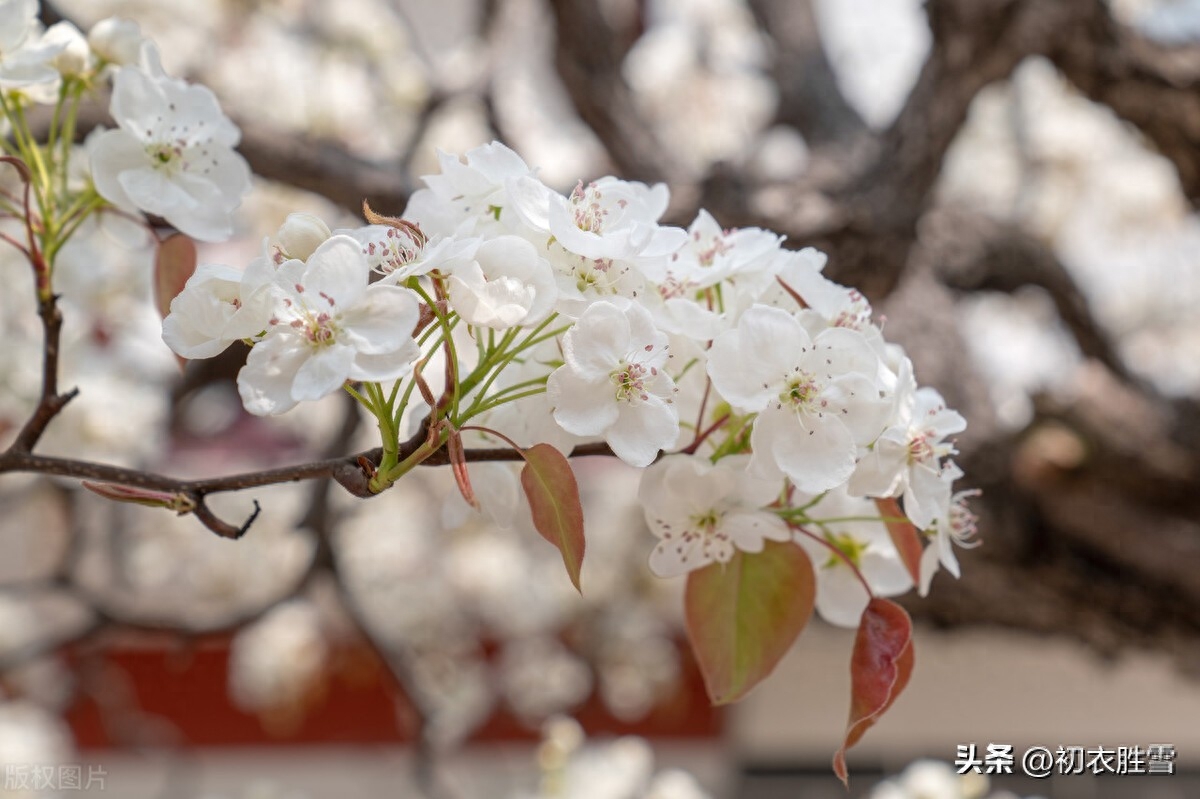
(348, 471)
(970, 252)
(809, 98)
(588, 55)
(50, 403)
(1156, 87)
(975, 42)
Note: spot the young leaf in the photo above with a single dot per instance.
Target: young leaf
(744, 615)
(458, 463)
(880, 667)
(180, 503)
(905, 537)
(173, 265)
(553, 497)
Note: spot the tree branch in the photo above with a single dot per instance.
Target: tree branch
(589, 54)
(809, 98)
(1154, 86)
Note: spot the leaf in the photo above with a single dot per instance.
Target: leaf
(553, 497)
(905, 537)
(178, 502)
(744, 615)
(458, 463)
(173, 265)
(880, 667)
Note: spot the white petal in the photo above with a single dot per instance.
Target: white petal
(841, 598)
(382, 320)
(337, 271)
(265, 382)
(749, 363)
(642, 430)
(598, 342)
(110, 154)
(323, 372)
(385, 366)
(673, 558)
(816, 456)
(581, 407)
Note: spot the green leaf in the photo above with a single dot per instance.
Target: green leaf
(905, 537)
(880, 667)
(553, 497)
(173, 265)
(744, 615)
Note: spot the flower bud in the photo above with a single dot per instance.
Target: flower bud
(74, 58)
(300, 235)
(116, 40)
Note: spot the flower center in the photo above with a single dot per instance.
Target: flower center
(802, 392)
(964, 523)
(597, 275)
(920, 449)
(630, 380)
(588, 213)
(856, 315)
(166, 155)
(849, 546)
(320, 327)
(395, 250)
(716, 247)
(321, 330)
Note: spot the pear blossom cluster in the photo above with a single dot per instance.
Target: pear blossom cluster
(760, 397)
(171, 153)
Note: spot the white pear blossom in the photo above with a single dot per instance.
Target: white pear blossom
(614, 383)
(711, 255)
(172, 156)
(25, 58)
(818, 398)
(470, 197)
(602, 239)
(399, 253)
(117, 41)
(907, 457)
(837, 305)
(299, 237)
(956, 525)
(506, 284)
(218, 306)
(703, 512)
(841, 597)
(74, 57)
(329, 325)
(607, 218)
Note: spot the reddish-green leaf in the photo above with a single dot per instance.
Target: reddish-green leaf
(905, 537)
(879, 670)
(173, 265)
(458, 463)
(744, 615)
(553, 497)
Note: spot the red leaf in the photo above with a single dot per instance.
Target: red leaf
(458, 463)
(879, 670)
(553, 497)
(905, 536)
(173, 265)
(744, 615)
